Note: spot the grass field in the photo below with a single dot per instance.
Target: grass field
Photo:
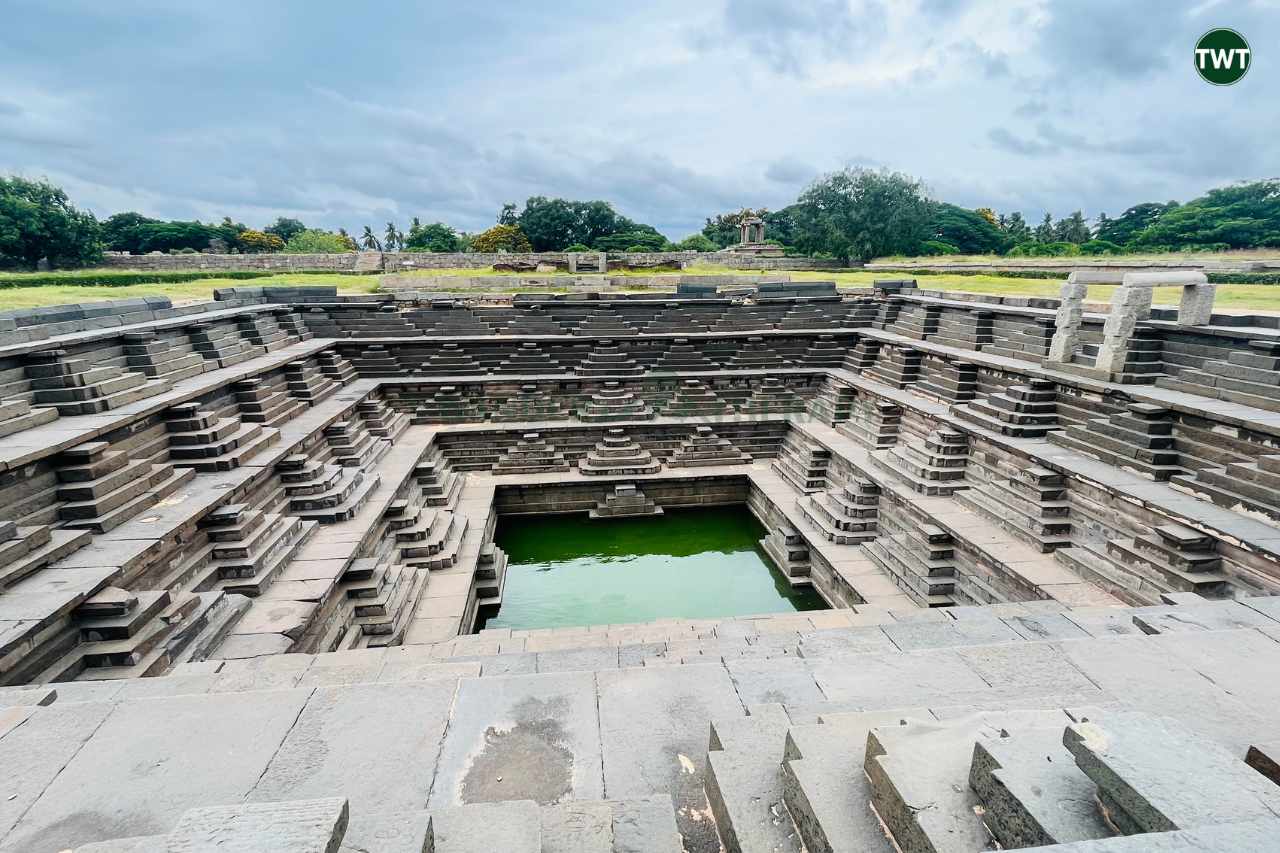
(1231, 297)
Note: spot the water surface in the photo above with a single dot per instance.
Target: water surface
(693, 563)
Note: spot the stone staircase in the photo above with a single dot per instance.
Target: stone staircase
(770, 397)
(1139, 439)
(845, 515)
(625, 501)
(616, 454)
(99, 489)
(531, 454)
(703, 447)
(76, 386)
(204, 442)
(611, 403)
(1023, 411)
(530, 403)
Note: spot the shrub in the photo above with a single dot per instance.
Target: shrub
(697, 243)
(314, 241)
(577, 247)
(1100, 247)
(259, 241)
(937, 247)
(501, 238)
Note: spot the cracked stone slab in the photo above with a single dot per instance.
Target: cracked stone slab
(304, 826)
(1140, 762)
(653, 728)
(38, 742)
(532, 737)
(376, 744)
(162, 757)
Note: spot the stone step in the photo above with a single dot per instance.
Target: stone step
(1139, 764)
(1032, 792)
(919, 775)
(743, 786)
(826, 791)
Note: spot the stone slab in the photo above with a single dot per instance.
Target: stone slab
(521, 738)
(302, 826)
(152, 760)
(653, 728)
(1140, 761)
(510, 827)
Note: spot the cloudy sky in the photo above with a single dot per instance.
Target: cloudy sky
(343, 114)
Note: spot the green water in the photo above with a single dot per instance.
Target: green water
(695, 564)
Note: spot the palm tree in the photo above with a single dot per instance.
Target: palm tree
(369, 241)
(389, 238)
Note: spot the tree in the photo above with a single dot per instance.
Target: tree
(1044, 232)
(627, 241)
(1017, 229)
(696, 243)
(1127, 226)
(285, 229)
(501, 238)
(436, 237)
(1073, 229)
(552, 224)
(391, 238)
(369, 240)
(967, 231)
(313, 241)
(258, 241)
(988, 214)
(862, 214)
(37, 220)
(508, 214)
(124, 232)
(1238, 216)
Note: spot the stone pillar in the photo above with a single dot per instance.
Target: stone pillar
(1196, 305)
(602, 263)
(1130, 305)
(573, 262)
(760, 232)
(744, 232)
(1066, 335)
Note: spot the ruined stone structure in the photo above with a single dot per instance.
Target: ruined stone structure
(243, 547)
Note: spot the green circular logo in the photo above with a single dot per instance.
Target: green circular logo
(1222, 57)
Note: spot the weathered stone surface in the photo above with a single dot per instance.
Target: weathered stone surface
(653, 728)
(512, 827)
(300, 826)
(521, 738)
(1139, 763)
(164, 756)
(375, 743)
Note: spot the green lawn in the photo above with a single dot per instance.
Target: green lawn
(186, 291)
(1231, 297)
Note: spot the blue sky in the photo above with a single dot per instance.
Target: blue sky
(672, 110)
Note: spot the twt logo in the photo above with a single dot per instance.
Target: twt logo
(1222, 57)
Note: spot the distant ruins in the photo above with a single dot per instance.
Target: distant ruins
(244, 545)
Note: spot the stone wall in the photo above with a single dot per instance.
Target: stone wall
(1065, 266)
(403, 261)
(336, 263)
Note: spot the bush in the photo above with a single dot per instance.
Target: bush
(124, 278)
(1100, 247)
(501, 238)
(314, 241)
(697, 243)
(577, 247)
(260, 241)
(1044, 250)
(635, 250)
(937, 247)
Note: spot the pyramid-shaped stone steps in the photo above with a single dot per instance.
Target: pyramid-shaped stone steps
(25, 550)
(259, 403)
